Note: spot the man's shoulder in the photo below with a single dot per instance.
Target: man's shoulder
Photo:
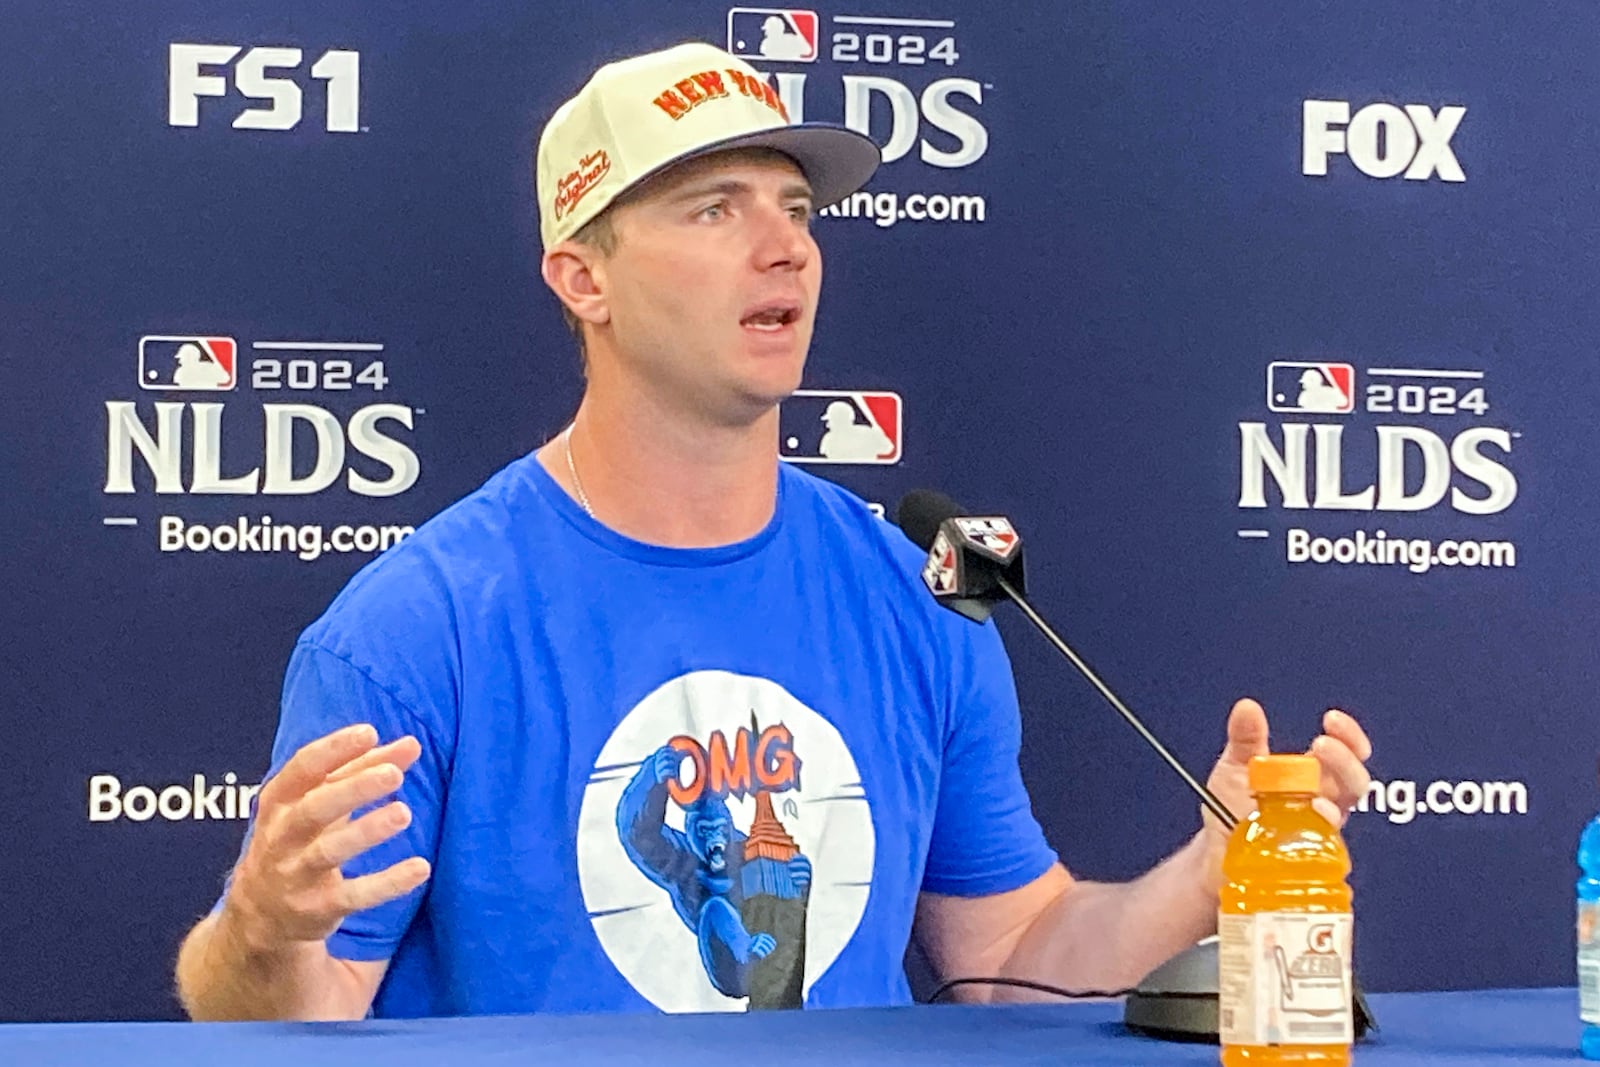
(877, 569)
(414, 591)
(876, 558)
(841, 514)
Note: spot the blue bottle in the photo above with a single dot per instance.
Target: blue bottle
(1589, 938)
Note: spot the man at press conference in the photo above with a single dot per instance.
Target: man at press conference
(651, 720)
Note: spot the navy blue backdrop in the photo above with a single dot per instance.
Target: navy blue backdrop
(1272, 330)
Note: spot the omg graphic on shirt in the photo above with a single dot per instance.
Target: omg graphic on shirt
(725, 845)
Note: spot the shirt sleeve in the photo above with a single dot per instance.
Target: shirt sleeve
(323, 692)
(985, 838)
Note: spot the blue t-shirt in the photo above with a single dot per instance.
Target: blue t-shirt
(656, 778)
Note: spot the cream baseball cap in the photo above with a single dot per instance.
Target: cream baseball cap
(637, 116)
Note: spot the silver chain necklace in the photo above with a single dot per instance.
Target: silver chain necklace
(572, 468)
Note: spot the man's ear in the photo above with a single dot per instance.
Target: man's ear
(576, 274)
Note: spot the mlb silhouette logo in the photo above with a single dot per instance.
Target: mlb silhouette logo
(1311, 388)
(202, 364)
(786, 34)
(835, 426)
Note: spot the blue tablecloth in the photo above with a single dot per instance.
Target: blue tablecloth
(1495, 1027)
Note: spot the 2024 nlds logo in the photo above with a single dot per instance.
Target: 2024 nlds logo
(1310, 463)
(158, 436)
(876, 53)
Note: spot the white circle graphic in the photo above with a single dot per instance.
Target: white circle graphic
(735, 737)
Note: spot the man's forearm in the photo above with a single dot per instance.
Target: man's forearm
(1108, 936)
(223, 977)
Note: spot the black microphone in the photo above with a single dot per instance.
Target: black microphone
(974, 563)
(967, 555)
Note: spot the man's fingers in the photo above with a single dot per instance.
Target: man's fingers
(1247, 733)
(402, 753)
(326, 804)
(341, 843)
(370, 890)
(1344, 777)
(308, 767)
(1342, 726)
(1328, 810)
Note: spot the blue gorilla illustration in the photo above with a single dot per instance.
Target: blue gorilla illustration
(699, 868)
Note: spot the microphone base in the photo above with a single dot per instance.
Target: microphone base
(1178, 1000)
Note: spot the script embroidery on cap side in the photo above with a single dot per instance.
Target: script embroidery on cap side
(590, 169)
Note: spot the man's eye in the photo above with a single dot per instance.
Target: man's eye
(714, 211)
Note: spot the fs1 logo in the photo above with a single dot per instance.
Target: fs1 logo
(188, 363)
(833, 426)
(1324, 388)
(782, 33)
(855, 42)
(188, 81)
(1382, 140)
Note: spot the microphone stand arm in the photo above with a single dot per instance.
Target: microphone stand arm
(1216, 806)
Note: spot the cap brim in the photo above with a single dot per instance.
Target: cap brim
(836, 160)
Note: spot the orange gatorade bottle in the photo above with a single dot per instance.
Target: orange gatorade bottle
(1284, 927)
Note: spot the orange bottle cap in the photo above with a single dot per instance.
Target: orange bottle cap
(1285, 774)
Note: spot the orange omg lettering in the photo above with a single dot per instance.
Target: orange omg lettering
(751, 764)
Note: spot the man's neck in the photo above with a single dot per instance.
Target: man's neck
(661, 477)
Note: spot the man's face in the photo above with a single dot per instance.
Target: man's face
(713, 286)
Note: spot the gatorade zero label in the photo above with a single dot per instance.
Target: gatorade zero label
(1285, 979)
(1589, 961)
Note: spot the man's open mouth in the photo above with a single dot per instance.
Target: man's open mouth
(771, 317)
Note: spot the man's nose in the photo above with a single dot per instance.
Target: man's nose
(784, 243)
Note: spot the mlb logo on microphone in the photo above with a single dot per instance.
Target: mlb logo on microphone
(994, 535)
(1311, 388)
(838, 426)
(786, 34)
(939, 573)
(199, 364)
